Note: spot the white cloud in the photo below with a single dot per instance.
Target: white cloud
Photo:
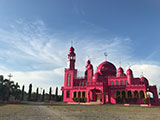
(33, 55)
(151, 72)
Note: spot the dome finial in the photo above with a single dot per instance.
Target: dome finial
(88, 57)
(119, 63)
(105, 55)
(129, 66)
(142, 75)
(71, 43)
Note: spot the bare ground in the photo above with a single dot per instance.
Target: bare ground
(60, 111)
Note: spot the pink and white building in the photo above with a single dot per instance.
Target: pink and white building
(107, 85)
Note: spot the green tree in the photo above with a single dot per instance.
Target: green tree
(16, 91)
(22, 93)
(50, 93)
(37, 94)
(56, 97)
(43, 96)
(2, 88)
(29, 92)
(9, 88)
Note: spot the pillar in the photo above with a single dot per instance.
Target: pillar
(88, 96)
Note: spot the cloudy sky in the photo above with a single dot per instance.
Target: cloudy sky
(35, 36)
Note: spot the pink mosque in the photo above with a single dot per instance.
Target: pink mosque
(107, 85)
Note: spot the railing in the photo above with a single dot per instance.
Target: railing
(79, 87)
(94, 83)
(121, 86)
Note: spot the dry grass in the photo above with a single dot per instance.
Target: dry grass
(56, 111)
(110, 112)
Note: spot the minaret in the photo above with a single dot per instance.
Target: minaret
(130, 76)
(89, 69)
(71, 58)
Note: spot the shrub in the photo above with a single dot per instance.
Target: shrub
(134, 100)
(119, 100)
(85, 99)
(75, 99)
(144, 100)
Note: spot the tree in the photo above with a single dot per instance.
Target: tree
(2, 87)
(50, 94)
(37, 94)
(43, 96)
(62, 95)
(56, 94)
(16, 91)
(22, 93)
(29, 92)
(9, 88)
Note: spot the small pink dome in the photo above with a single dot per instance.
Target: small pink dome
(129, 72)
(88, 62)
(144, 81)
(120, 70)
(71, 49)
(71, 52)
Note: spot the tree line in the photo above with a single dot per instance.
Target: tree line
(10, 91)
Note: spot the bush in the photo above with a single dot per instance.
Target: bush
(79, 99)
(134, 100)
(144, 100)
(119, 100)
(75, 99)
(85, 99)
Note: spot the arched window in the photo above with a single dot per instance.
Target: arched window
(118, 94)
(112, 82)
(121, 82)
(141, 94)
(82, 83)
(68, 94)
(126, 83)
(129, 94)
(89, 77)
(136, 94)
(83, 94)
(79, 94)
(86, 83)
(68, 79)
(123, 94)
(117, 83)
(74, 94)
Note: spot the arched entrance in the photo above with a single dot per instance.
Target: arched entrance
(96, 95)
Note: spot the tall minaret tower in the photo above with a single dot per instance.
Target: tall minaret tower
(70, 76)
(71, 58)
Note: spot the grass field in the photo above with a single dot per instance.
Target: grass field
(61, 111)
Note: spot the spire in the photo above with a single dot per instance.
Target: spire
(142, 75)
(71, 43)
(105, 55)
(119, 63)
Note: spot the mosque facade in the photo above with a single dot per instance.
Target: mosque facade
(107, 85)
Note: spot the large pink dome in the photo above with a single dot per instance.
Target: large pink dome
(107, 69)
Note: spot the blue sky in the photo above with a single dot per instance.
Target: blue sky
(35, 37)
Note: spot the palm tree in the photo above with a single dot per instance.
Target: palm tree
(2, 90)
(9, 88)
(22, 93)
(16, 91)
